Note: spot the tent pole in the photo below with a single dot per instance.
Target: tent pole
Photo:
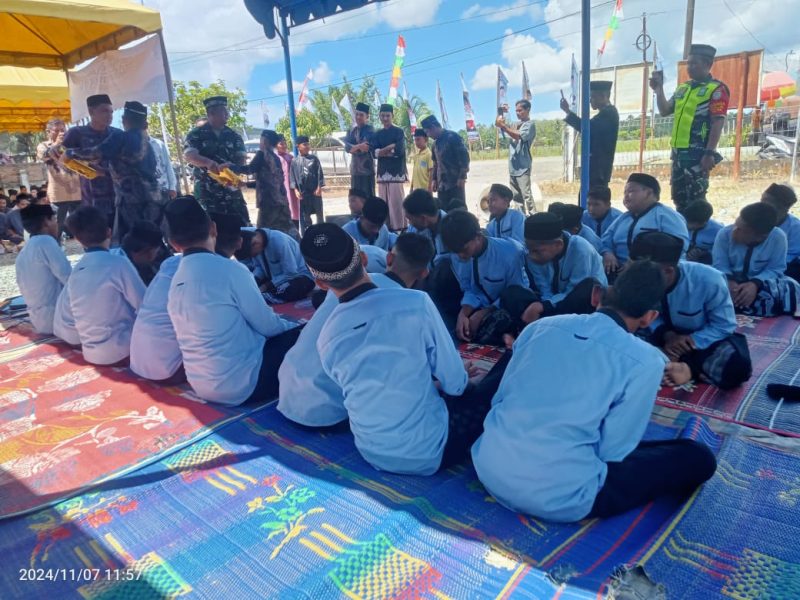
(586, 71)
(287, 62)
(171, 94)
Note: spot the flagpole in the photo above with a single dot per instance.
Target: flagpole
(585, 132)
(289, 87)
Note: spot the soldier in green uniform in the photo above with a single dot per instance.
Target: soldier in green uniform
(699, 106)
(209, 148)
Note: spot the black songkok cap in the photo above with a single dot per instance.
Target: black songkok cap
(600, 86)
(647, 181)
(570, 213)
(34, 211)
(135, 109)
(227, 225)
(658, 247)
(97, 100)
(330, 253)
(362, 107)
(182, 213)
(375, 210)
(703, 50)
(301, 139)
(273, 137)
(213, 101)
(501, 190)
(430, 121)
(147, 232)
(387, 108)
(543, 227)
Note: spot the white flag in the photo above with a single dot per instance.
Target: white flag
(442, 109)
(575, 86)
(376, 98)
(335, 109)
(304, 91)
(348, 106)
(526, 84)
(412, 118)
(502, 89)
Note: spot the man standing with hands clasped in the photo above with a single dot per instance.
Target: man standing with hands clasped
(522, 135)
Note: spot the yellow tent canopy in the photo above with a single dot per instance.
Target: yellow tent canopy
(31, 97)
(60, 34)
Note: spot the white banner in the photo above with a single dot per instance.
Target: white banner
(135, 73)
(626, 93)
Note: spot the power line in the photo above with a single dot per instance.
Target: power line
(449, 52)
(201, 53)
(752, 35)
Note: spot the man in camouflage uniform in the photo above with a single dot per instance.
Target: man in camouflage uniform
(209, 148)
(699, 106)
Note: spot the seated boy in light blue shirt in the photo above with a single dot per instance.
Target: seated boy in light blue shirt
(563, 440)
(782, 198)
(571, 215)
(370, 227)
(599, 213)
(506, 223)
(697, 324)
(308, 396)
(751, 254)
(703, 231)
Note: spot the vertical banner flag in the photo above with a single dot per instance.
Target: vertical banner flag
(412, 118)
(264, 115)
(346, 104)
(616, 16)
(399, 58)
(526, 84)
(440, 99)
(303, 100)
(339, 117)
(469, 116)
(502, 94)
(575, 86)
(376, 99)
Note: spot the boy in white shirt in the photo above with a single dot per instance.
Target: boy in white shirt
(42, 268)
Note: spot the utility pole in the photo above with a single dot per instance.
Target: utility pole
(643, 43)
(687, 34)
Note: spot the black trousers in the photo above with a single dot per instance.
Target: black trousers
(654, 469)
(793, 269)
(364, 184)
(725, 363)
(452, 199)
(516, 299)
(443, 288)
(275, 349)
(63, 210)
(296, 289)
(467, 413)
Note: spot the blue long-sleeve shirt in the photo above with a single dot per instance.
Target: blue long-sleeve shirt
(600, 227)
(620, 235)
(698, 304)
(307, 394)
(510, 226)
(704, 237)
(791, 227)
(559, 277)
(590, 236)
(435, 237)
(483, 278)
(577, 394)
(385, 239)
(383, 348)
(762, 262)
(281, 260)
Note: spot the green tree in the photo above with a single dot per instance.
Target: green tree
(189, 107)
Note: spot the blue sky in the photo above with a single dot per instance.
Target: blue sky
(209, 39)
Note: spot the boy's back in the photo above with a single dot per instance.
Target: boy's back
(105, 292)
(42, 270)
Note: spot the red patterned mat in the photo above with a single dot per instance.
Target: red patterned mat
(66, 425)
(775, 350)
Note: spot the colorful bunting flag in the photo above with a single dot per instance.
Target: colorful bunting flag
(442, 110)
(399, 58)
(469, 116)
(526, 84)
(616, 17)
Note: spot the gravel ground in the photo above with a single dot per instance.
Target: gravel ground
(726, 195)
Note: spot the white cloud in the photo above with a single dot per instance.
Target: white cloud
(504, 12)
(322, 75)
(402, 14)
